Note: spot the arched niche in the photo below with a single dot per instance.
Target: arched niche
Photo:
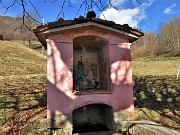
(90, 64)
(93, 118)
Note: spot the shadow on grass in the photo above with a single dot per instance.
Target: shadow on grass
(20, 108)
(160, 94)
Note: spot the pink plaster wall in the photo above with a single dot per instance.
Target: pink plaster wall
(60, 98)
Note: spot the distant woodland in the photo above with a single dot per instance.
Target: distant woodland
(12, 28)
(166, 42)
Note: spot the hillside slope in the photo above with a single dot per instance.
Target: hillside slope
(157, 90)
(17, 59)
(158, 66)
(10, 29)
(22, 87)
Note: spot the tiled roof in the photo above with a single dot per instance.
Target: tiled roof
(62, 23)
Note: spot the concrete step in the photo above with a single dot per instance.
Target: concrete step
(98, 133)
(147, 128)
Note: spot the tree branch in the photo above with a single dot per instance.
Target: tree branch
(69, 3)
(87, 4)
(84, 2)
(139, 1)
(96, 4)
(62, 10)
(7, 8)
(53, 1)
(35, 9)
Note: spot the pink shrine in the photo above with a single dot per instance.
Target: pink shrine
(89, 72)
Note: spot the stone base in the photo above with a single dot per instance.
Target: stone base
(62, 125)
(58, 125)
(98, 133)
(145, 128)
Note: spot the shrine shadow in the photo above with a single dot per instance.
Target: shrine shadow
(20, 105)
(159, 94)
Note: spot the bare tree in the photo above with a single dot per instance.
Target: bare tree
(27, 27)
(145, 45)
(25, 14)
(6, 27)
(169, 37)
(166, 43)
(9, 28)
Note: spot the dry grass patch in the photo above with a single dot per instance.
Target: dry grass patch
(22, 87)
(158, 66)
(157, 91)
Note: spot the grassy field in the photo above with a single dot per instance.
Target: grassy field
(156, 66)
(157, 90)
(23, 89)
